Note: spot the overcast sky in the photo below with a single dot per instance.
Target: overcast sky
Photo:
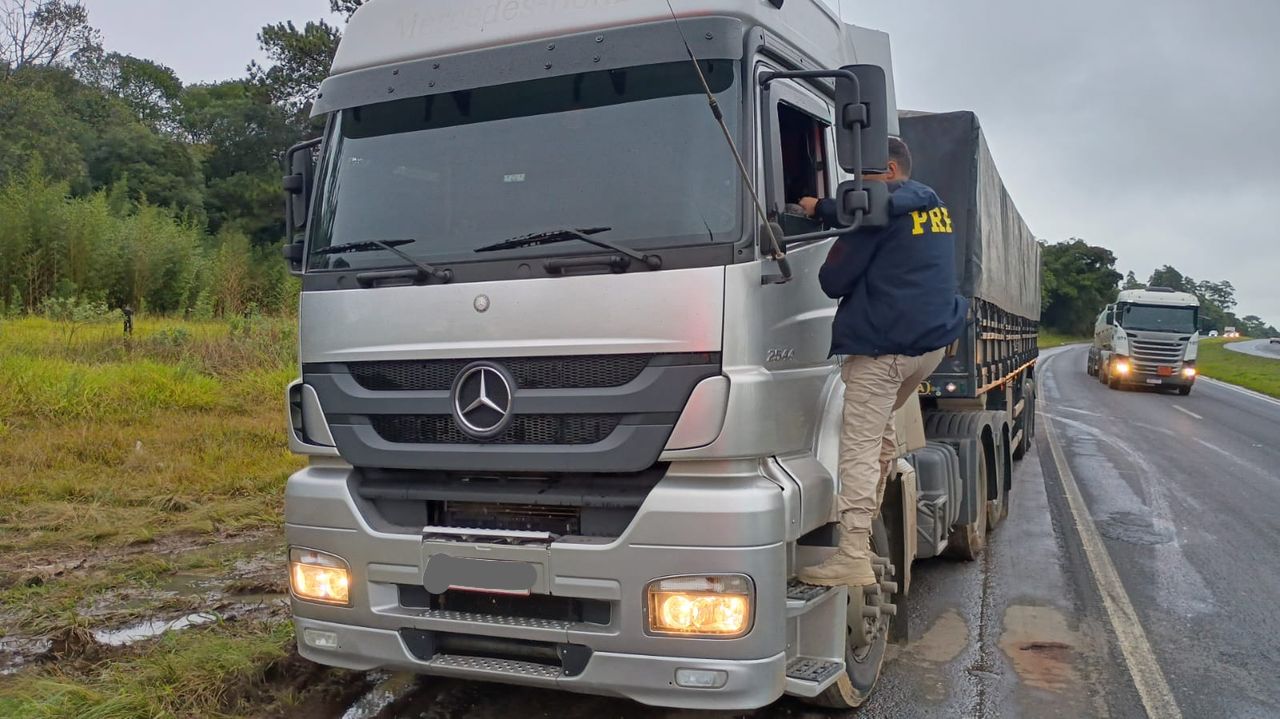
(1149, 127)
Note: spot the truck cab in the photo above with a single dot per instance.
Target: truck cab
(566, 387)
(1147, 338)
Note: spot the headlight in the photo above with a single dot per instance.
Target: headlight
(319, 577)
(1122, 367)
(1189, 372)
(708, 606)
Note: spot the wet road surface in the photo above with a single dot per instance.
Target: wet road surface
(1186, 493)
(1259, 348)
(1186, 504)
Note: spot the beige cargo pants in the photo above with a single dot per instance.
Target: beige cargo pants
(874, 387)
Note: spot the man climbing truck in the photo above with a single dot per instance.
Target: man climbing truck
(615, 496)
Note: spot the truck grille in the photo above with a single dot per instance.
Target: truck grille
(1149, 355)
(530, 373)
(564, 429)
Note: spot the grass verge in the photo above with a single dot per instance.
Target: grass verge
(1050, 339)
(1256, 373)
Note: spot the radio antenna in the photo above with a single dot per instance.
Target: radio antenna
(777, 253)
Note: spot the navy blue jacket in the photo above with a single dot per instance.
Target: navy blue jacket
(897, 284)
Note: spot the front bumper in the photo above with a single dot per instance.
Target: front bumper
(650, 680)
(730, 523)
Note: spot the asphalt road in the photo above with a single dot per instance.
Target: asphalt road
(1260, 348)
(1182, 495)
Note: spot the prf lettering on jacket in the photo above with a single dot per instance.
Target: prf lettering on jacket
(939, 220)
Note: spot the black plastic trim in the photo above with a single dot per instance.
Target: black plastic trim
(651, 43)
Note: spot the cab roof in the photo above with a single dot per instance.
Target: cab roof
(1159, 297)
(384, 32)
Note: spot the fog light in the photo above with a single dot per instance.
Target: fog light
(1189, 372)
(716, 606)
(319, 577)
(701, 678)
(320, 640)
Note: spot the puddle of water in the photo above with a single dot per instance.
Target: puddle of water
(18, 652)
(151, 628)
(388, 691)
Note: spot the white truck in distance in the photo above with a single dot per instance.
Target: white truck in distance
(1147, 338)
(567, 399)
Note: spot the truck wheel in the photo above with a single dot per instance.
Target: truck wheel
(1114, 383)
(1184, 390)
(967, 541)
(869, 614)
(1090, 368)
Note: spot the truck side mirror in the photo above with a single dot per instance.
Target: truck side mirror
(298, 186)
(1111, 316)
(872, 200)
(862, 118)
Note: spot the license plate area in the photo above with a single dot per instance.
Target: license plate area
(517, 564)
(1155, 381)
(444, 573)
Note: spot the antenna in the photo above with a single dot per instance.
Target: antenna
(777, 255)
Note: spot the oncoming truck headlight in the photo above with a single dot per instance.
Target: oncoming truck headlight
(1122, 367)
(701, 606)
(319, 577)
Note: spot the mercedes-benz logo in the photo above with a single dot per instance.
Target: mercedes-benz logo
(482, 396)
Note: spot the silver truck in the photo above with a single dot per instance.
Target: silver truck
(565, 387)
(1147, 338)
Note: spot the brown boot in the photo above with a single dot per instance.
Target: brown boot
(850, 565)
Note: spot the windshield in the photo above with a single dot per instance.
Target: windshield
(635, 150)
(1154, 318)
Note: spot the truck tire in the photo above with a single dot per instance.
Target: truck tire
(1184, 390)
(997, 510)
(864, 657)
(1114, 382)
(968, 540)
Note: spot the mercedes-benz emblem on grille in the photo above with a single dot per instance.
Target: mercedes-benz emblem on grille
(482, 396)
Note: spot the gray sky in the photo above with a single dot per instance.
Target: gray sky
(1149, 127)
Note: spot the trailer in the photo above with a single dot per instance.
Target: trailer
(565, 385)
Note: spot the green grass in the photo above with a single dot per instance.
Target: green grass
(143, 456)
(1050, 339)
(207, 672)
(1256, 373)
(109, 441)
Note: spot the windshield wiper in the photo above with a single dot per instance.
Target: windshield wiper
(549, 237)
(390, 246)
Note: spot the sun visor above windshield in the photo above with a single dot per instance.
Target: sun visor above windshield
(659, 42)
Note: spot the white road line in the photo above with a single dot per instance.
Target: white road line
(1241, 390)
(1187, 412)
(1148, 678)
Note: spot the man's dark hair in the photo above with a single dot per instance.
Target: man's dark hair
(901, 154)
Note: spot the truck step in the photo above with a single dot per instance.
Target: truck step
(817, 671)
(798, 591)
(507, 667)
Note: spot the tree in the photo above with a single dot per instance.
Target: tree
(150, 89)
(346, 7)
(1131, 282)
(300, 61)
(35, 130)
(1079, 279)
(1169, 277)
(42, 33)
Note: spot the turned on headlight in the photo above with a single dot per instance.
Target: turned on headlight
(319, 577)
(700, 606)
